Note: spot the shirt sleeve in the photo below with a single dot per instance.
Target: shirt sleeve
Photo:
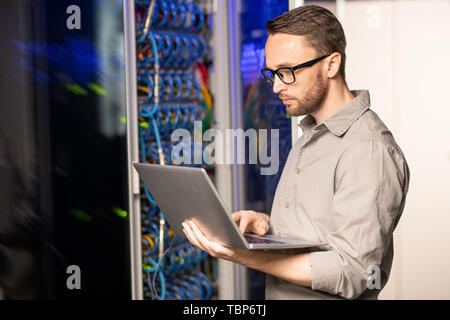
(371, 183)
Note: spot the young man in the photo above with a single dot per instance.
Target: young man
(344, 182)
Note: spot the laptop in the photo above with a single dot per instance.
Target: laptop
(184, 193)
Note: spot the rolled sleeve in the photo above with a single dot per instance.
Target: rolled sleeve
(371, 182)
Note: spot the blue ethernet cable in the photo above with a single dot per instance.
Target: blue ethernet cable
(187, 51)
(196, 91)
(149, 84)
(186, 117)
(204, 281)
(163, 12)
(199, 17)
(177, 46)
(187, 85)
(191, 11)
(174, 15)
(193, 280)
(176, 291)
(177, 84)
(167, 46)
(185, 286)
(182, 16)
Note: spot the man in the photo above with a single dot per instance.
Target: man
(344, 182)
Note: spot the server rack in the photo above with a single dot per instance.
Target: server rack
(167, 90)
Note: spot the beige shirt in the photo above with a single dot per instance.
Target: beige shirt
(344, 184)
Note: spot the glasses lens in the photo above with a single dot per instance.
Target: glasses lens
(268, 75)
(286, 75)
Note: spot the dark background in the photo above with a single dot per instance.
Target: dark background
(62, 121)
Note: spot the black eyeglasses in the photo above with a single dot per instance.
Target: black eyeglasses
(286, 74)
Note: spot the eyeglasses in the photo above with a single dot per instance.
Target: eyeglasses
(286, 74)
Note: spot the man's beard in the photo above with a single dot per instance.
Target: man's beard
(312, 100)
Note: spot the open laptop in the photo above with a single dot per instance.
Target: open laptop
(184, 193)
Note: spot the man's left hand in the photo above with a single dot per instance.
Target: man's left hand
(198, 239)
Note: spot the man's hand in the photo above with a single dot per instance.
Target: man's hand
(198, 239)
(252, 221)
(290, 267)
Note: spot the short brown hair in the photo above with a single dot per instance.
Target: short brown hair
(322, 29)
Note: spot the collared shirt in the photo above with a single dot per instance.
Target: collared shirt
(344, 184)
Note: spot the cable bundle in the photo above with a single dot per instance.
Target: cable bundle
(175, 50)
(174, 86)
(174, 15)
(181, 278)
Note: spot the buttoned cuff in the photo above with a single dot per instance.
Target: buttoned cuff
(325, 271)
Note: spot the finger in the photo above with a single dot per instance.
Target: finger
(243, 224)
(188, 237)
(191, 236)
(199, 236)
(236, 216)
(261, 228)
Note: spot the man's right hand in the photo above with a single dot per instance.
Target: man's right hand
(252, 221)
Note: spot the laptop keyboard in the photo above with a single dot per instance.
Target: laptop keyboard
(254, 240)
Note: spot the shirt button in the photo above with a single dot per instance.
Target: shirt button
(297, 170)
(286, 205)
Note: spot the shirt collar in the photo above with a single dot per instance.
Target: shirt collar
(341, 121)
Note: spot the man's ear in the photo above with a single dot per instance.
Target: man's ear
(334, 64)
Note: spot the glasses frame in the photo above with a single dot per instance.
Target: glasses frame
(292, 69)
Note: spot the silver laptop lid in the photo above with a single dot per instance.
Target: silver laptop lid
(187, 193)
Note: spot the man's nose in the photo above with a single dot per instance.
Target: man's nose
(278, 85)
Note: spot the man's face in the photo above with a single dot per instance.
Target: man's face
(306, 94)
